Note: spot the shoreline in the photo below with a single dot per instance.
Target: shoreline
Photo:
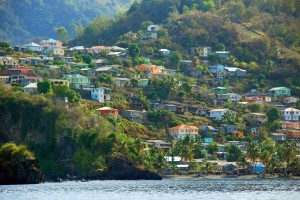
(251, 176)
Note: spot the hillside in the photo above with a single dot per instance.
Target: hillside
(262, 36)
(22, 20)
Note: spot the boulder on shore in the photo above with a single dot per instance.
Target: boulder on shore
(18, 166)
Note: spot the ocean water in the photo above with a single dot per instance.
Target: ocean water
(173, 189)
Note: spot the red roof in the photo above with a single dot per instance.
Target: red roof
(33, 77)
(21, 68)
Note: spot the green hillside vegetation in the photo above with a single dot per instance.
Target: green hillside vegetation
(61, 138)
(262, 36)
(22, 20)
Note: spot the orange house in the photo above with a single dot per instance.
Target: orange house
(238, 134)
(149, 69)
(107, 111)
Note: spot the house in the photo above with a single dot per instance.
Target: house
(149, 69)
(235, 72)
(52, 67)
(134, 115)
(280, 91)
(99, 49)
(29, 79)
(290, 125)
(122, 82)
(20, 70)
(143, 82)
(58, 51)
(106, 70)
(4, 79)
(181, 131)
(208, 130)
(59, 82)
(100, 94)
(229, 168)
(31, 47)
(233, 97)
(201, 51)
(218, 114)
(8, 61)
(197, 73)
(87, 72)
(107, 111)
(223, 54)
(256, 119)
(100, 62)
(160, 144)
(170, 107)
(51, 43)
(77, 81)
(238, 134)
(153, 28)
(217, 69)
(31, 88)
(228, 128)
(257, 99)
(164, 52)
(172, 72)
(144, 37)
(186, 64)
(291, 100)
(258, 168)
(208, 140)
(292, 133)
(78, 66)
(278, 137)
(290, 114)
(220, 90)
(78, 48)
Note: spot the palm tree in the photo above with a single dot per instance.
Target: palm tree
(252, 152)
(267, 152)
(288, 152)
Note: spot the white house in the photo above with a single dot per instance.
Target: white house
(32, 47)
(100, 94)
(233, 97)
(164, 52)
(182, 131)
(218, 114)
(122, 82)
(30, 88)
(235, 72)
(290, 114)
(289, 100)
(153, 28)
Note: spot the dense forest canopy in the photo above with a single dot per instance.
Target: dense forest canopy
(22, 20)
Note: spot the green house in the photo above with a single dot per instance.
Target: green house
(79, 66)
(220, 90)
(143, 82)
(280, 91)
(77, 81)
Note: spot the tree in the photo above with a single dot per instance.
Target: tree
(252, 152)
(65, 91)
(288, 151)
(234, 153)
(4, 45)
(273, 114)
(62, 34)
(255, 107)
(174, 60)
(134, 50)
(207, 5)
(44, 87)
(212, 148)
(106, 78)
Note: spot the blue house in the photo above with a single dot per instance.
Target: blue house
(216, 69)
(207, 140)
(258, 168)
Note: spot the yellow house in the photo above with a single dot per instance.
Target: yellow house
(59, 52)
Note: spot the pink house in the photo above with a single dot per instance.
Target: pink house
(290, 125)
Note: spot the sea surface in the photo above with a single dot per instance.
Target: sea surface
(173, 189)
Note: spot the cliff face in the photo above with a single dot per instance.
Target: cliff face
(119, 168)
